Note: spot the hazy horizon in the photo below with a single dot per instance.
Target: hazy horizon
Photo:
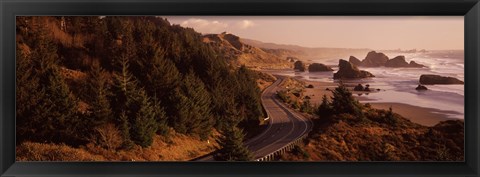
(379, 33)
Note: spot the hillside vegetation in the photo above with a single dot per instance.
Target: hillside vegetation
(122, 84)
(239, 53)
(346, 130)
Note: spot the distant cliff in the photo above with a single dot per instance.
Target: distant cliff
(239, 53)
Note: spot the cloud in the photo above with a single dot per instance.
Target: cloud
(244, 24)
(205, 26)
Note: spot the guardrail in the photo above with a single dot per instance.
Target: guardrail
(282, 150)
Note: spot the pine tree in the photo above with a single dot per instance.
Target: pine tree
(224, 106)
(63, 122)
(306, 106)
(119, 41)
(248, 99)
(125, 130)
(161, 117)
(138, 121)
(26, 100)
(232, 147)
(54, 118)
(324, 110)
(162, 76)
(144, 124)
(343, 101)
(97, 95)
(124, 84)
(191, 113)
(390, 117)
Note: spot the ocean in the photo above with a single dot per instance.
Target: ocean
(398, 84)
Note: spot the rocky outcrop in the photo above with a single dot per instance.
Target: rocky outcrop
(374, 59)
(399, 61)
(299, 65)
(421, 87)
(318, 67)
(367, 88)
(430, 79)
(348, 71)
(413, 64)
(355, 61)
(359, 87)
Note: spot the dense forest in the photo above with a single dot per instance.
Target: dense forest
(80, 79)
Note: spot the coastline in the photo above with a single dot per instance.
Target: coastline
(421, 115)
(417, 114)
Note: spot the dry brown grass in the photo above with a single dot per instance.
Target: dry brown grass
(29, 151)
(371, 141)
(178, 147)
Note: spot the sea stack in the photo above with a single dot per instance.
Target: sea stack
(318, 67)
(430, 79)
(374, 59)
(421, 87)
(379, 59)
(399, 61)
(416, 65)
(299, 65)
(349, 71)
(355, 61)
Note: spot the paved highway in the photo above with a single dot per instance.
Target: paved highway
(285, 125)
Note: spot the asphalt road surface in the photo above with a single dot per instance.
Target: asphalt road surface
(285, 126)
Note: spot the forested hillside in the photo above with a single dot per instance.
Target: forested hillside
(120, 83)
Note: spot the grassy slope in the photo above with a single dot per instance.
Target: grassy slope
(345, 138)
(178, 148)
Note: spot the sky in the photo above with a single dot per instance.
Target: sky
(373, 32)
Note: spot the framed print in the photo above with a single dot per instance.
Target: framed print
(251, 88)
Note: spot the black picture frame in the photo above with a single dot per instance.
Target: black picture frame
(470, 9)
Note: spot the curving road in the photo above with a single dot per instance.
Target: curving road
(285, 126)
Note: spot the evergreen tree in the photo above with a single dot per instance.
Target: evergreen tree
(343, 101)
(144, 124)
(232, 147)
(26, 100)
(191, 113)
(248, 99)
(138, 120)
(157, 69)
(124, 85)
(62, 123)
(390, 117)
(306, 106)
(119, 41)
(162, 76)
(161, 117)
(54, 117)
(324, 110)
(97, 96)
(125, 130)
(224, 106)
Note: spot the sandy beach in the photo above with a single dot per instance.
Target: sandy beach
(420, 115)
